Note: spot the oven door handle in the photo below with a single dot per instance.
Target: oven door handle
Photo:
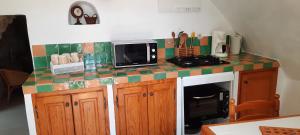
(206, 97)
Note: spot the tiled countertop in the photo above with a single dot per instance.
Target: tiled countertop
(42, 80)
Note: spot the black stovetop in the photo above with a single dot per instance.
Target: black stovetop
(194, 61)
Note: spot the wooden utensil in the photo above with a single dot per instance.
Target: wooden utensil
(173, 35)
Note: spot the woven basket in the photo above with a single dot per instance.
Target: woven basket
(90, 19)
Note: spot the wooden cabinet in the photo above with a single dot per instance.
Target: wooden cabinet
(146, 108)
(257, 85)
(55, 115)
(133, 110)
(70, 114)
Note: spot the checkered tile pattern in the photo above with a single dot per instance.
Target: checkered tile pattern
(102, 50)
(41, 80)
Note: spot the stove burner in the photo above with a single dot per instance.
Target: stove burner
(197, 61)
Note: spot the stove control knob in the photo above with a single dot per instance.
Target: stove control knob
(153, 50)
(153, 56)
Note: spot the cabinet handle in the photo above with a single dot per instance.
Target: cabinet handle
(246, 82)
(144, 95)
(75, 103)
(67, 104)
(151, 93)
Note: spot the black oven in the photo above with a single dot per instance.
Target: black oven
(134, 53)
(204, 102)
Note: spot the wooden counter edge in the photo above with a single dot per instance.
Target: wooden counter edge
(205, 130)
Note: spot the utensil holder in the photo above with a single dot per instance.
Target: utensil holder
(184, 52)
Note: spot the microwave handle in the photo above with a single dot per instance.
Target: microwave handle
(148, 53)
(206, 97)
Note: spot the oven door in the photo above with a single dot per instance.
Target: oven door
(127, 55)
(202, 108)
(202, 102)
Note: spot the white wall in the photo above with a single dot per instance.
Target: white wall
(120, 19)
(271, 28)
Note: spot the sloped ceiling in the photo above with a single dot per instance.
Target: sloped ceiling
(271, 28)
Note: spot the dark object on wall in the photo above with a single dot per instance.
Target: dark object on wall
(77, 12)
(15, 51)
(82, 8)
(90, 20)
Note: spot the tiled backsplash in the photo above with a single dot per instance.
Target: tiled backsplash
(102, 50)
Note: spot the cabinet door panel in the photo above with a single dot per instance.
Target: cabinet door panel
(257, 85)
(55, 115)
(260, 85)
(162, 101)
(89, 113)
(132, 111)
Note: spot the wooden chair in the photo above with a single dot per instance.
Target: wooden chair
(12, 79)
(257, 109)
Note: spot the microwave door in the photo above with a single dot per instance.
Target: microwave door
(131, 54)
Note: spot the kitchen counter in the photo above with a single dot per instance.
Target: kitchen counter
(42, 80)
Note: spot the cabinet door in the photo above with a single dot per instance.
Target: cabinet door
(55, 115)
(257, 85)
(132, 111)
(89, 113)
(162, 101)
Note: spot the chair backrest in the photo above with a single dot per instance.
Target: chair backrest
(257, 109)
(13, 77)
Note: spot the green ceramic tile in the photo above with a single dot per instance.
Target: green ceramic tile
(170, 53)
(60, 80)
(77, 75)
(99, 48)
(228, 69)
(146, 72)
(183, 73)
(248, 67)
(160, 76)
(76, 48)
(196, 42)
(40, 70)
(103, 53)
(29, 83)
(106, 81)
(46, 78)
(207, 71)
(48, 60)
(51, 49)
(64, 48)
(76, 85)
(268, 65)
(44, 88)
(120, 74)
(160, 43)
(105, 72)
(132, 79)
(90, 77)
(205, 50)
(40, 62)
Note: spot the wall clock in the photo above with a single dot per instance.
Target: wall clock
(77, 12)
